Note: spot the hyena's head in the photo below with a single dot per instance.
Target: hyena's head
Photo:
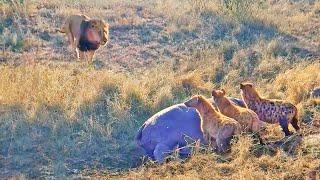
(199, 102)
(248, 91)
(219, 98)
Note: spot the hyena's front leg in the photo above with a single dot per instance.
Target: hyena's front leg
(224, 138)
(283, 121)
(294, 123)
(224, 144)
(211, 141)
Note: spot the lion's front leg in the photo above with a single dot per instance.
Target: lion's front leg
(82, 55)
(90, 55)
(77, 53)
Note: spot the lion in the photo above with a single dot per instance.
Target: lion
(270, 110)
(248, 119)
(85, 35)
(217, 128)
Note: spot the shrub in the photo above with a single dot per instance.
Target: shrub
(298, 82)
(238, 9)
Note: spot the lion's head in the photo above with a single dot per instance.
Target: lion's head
(102, 28)
(97, 31)
(94, 33)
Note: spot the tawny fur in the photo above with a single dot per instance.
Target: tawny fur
(248, 119)
(270, 110)
(217, 128)
(99, 34)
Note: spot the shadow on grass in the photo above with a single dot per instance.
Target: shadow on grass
(53, 145)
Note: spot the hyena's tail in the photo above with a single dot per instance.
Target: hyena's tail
(256, 135)
(294, 121)
(238, 129)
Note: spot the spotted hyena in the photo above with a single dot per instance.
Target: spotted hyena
(269, 110)
(217, 128)
(248, 119)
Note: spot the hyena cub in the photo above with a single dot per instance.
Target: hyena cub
(269, 110)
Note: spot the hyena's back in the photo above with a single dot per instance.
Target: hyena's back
(271, 111)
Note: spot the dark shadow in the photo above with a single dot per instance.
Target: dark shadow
(250, 32)
(54, 145)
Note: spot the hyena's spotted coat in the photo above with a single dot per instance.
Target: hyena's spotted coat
(247, 118)
(270, 111)
(217, 128)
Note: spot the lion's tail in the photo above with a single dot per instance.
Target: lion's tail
(62, 30)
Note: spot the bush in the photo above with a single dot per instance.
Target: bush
(239, 9)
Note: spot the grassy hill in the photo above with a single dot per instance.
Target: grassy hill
(62, 118)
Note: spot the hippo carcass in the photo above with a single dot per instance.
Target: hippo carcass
(315, 93)
(236, 101)
(170, 128)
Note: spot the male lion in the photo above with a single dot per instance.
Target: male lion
(85, 34)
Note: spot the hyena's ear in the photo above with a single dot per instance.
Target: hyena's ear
(213, 93)
(197, 97)
(223, 92)
(241, 85)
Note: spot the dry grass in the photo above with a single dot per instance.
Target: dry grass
(60, 118)
(239, 164)
(298, 81)
(34, 85)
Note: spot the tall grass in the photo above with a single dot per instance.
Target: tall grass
(92, 115)
(239, 164)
